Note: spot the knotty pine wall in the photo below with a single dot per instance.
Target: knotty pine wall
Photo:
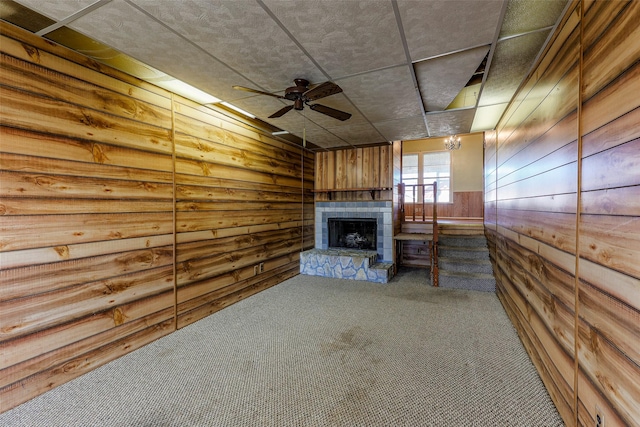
(352, 169)
(126, 212)
(562, 213)
(398, 216)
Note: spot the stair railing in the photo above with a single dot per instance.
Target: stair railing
(433, 244)
(433, 254)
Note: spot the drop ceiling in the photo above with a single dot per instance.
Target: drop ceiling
(400, 63)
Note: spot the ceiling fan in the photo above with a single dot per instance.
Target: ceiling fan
(300, 94)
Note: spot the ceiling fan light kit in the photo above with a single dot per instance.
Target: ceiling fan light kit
(301, 95)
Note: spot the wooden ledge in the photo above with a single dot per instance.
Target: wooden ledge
(413, 236)
(371, 190)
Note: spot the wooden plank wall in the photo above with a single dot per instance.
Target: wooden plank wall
(563, 217)
(368, 167)
(238, 207)
(608, 330)
(398, 216)
(112, 235)
(466, 204)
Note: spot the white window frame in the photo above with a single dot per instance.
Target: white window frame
(420, 179)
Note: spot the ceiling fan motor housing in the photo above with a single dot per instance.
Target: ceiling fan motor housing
(294, 93)
(300, 94)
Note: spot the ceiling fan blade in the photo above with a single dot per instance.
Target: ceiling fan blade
(322, 90)
(281, 112)
(248, 89)
(331, 112)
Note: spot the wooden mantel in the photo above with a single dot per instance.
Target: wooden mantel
(371, 190)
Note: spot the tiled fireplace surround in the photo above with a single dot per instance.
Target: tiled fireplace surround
(369, 265)
(379, 210)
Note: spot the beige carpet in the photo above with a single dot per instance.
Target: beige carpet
(318, 352)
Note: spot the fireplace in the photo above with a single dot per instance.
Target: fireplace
(354, 240)
(352, 233)
(379, 212)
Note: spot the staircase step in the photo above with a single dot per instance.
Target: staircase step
(479, 241)
(463, 253)
(465, 260)
(465, 265)
(465, 248)
(466, 275)
(459, 281)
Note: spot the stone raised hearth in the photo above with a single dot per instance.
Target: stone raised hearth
(345, 264)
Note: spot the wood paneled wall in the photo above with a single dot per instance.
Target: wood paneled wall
(369, 167)
(562, 213)
(126, 212)
(466, 204)
(398, 217)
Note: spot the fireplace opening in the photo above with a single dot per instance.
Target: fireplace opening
(353, 233)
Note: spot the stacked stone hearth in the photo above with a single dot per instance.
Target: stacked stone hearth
(345, 264)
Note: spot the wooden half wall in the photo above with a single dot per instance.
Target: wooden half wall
(126, 212)
(562, 213)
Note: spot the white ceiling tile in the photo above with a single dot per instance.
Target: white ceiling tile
(363, 133)
(441, 26)
(265, 44)
(128, 30)
(403, 129)
(511, 61)
(384, 94)
(240, 34)
(325, 139)
(315, 134)
(331, 31)
(450, 122)
(441, 79)
(523, 16)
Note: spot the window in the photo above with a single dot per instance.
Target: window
(410, 175)
(436, 166)
(425, 168)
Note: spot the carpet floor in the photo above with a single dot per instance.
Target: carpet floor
(313, 351)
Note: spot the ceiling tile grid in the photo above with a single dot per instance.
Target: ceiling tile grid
(383, 94)
(344, 37)
(523, 16)
(394, 60)
(57, 9)
(240, 34)
(442, 78)
(438, 27)
(127, 29)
